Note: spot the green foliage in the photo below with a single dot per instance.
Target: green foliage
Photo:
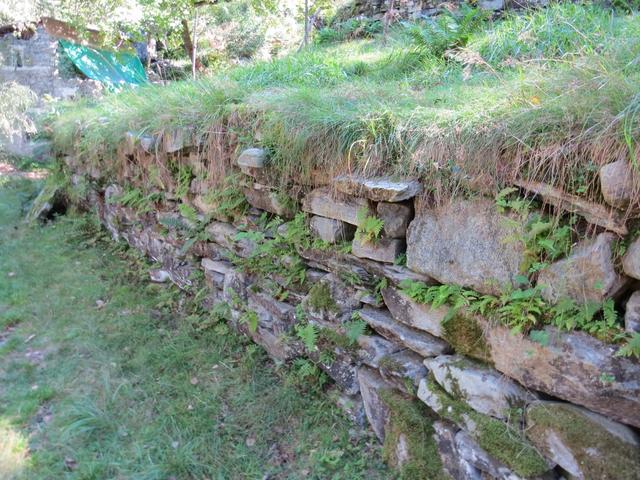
(369, 227)
(320, 298)
(348, 30)
(354, 329)
(144, 369)
(135, 198)
(448, 31)
(632, 346)
(308, 333)
(228, 200)
(250, 318)
(520, 309)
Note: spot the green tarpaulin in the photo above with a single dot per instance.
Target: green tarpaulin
(114, 69)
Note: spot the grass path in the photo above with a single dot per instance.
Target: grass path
(101, 379)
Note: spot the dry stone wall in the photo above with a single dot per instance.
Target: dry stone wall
(450, 396)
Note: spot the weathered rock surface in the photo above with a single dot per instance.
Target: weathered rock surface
(378, 189)
(631, 260)
(262, 197)
(616, 183)
(226, 236)
(571, 367)
(219, 266)
(466, 243)
(384, 250)
(321, 202)
(175, 140)
(331, 230)
(371, 386)
(502, 441)
(373, 348)
(252, 158)
(470, 452)
(416, 315)
(585, 444)
(632, 313)
(481, 387)
(342, 369)
(420, 342)
(592, 212)
(453, 464)
(148, 143)
(587, 275)
(404, 369)
(331, 302)
(396, 218)
(368, 271)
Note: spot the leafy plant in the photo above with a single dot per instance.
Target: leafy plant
(631, 348)
(369, 227)
(354, 329)
(308, 333)
(250, 318)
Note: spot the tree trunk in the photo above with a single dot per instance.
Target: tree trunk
(188, 46)
(306, 22)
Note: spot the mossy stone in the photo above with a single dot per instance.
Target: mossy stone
(466, 336)
(592, 445)
(410, 429)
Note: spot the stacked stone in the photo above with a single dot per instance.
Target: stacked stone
(506, 407)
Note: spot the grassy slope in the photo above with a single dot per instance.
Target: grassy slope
(132, 390)
(552, 93)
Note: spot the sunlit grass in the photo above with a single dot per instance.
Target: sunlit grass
(13, 451)
(134, 389)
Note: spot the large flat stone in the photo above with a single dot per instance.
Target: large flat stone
(631, 260)
(470, 452)
(452, 463)
(585, 444)
(368, 271)
(467, 243)
(371, 387)
(395, 217)
(616, 183)
(331, 230)
(384, 250)
(373, 348)
(262, 197)
(378, 189)
(416, 315)
(592, 212)
(420, 342)
(571, 367)
(321, 202)
(587, 275)
(404, 369)
(479, 386)
(252, 158)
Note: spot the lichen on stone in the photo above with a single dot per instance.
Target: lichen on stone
(501, 440)
(597, 452)
(410, 426)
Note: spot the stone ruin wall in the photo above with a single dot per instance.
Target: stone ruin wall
(35, 63)
(496, 404)
(421, 8)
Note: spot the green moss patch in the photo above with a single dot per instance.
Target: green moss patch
(320, 298)
(501, 440)
(598, 453)
(465, 334)
(412, 424)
